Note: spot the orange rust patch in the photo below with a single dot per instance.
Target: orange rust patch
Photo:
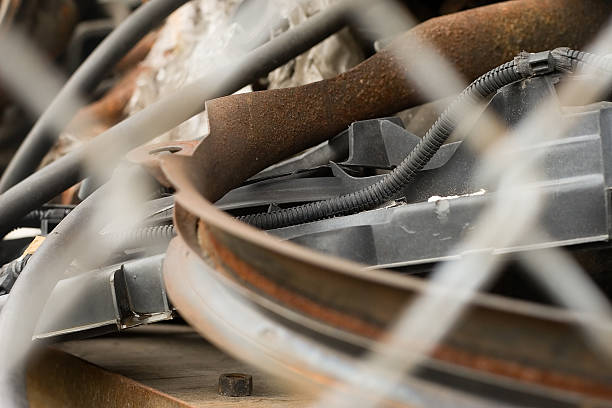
(249, 275)
(523, 373)
(224, 258)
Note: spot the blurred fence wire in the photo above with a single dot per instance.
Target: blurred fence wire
(508, 162)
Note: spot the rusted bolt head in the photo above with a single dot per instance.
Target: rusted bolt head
(235, 385)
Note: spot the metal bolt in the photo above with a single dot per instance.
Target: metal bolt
(235, 385)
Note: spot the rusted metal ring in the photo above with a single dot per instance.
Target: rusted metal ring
(508, 340)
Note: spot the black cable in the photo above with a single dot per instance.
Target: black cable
(45, 132)
(42, 218)
(383, 190)
(31, 290)
(34, 218)
(161, 116)
(141, 237)
(10, 272)
(523, 66)
(568, 60)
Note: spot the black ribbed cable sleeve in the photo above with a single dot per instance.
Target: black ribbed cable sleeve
(385, 189)
(141, 237)
(523, 66)
(568, 60)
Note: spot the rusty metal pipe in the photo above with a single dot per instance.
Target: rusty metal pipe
(261, 128)
(523, 343)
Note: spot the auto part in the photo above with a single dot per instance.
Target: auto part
(358, 332)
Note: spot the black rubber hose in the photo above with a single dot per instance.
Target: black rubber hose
(45, 132)
(32, 219)
(523, 66)
(35, 217)
(167, 113)
(28, 296)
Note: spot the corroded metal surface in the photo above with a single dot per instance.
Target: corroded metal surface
(253, 335)
(512, 359)
(525, 343)
(110, 109)
(58, 379)
(519, 344)
(235, 385)
(503, 337)
(258, 128)
(138, 53)
(150, 156)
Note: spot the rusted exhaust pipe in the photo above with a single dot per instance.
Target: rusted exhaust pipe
(261, 128)
(248, 132)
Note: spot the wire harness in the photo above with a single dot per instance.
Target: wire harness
(525, 65)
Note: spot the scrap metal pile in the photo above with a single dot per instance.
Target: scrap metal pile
(392, 203)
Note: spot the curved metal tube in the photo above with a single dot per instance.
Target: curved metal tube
(216, 307)
(502, 340)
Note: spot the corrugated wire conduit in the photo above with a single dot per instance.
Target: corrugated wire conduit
(524, 66)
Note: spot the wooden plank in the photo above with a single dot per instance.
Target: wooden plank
(176, 360)
(57, 379)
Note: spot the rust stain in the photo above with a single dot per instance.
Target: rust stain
(109, 110)
(137, 53)
(95, 118)
(225, 260)
(248, 274)
(151, 156)
(524, 373)
(258, 129)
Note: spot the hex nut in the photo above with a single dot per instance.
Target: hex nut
(235, 385)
